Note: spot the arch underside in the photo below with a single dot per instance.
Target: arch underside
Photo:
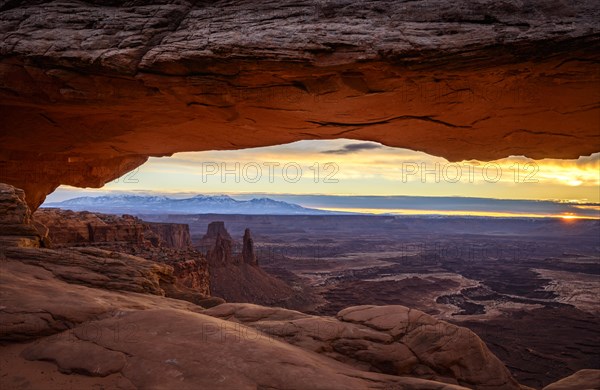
(81, 105)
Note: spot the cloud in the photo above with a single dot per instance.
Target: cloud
(354, 147)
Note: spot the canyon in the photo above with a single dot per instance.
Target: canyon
(101, 285)
(515, 282)
(53, 298)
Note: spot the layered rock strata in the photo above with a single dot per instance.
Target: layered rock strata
(160, 242)
(16, 225)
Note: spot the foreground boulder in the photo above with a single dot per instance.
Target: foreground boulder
(394, 340)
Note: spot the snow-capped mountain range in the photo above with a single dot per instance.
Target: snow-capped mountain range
(199, 204)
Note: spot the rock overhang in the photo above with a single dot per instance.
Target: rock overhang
(92, 89)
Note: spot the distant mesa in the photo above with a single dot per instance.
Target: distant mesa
(166, 243)
(68, 228)
(199, 204)
(214, 229)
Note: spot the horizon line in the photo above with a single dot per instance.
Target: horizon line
(230, 194)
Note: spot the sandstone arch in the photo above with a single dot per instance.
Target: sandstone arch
(89, 90)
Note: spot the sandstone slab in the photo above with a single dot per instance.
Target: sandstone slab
(582, 379)
(389, 339)
(185, 350)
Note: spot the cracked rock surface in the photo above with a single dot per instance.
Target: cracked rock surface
(391, 339)
(180, 349)
(131, 340)
(89, 90)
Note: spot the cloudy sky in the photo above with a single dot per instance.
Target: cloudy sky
(353, 168)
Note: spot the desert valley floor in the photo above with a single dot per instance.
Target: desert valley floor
(94, 300)
(517, 283)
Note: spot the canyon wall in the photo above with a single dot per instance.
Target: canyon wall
(89, 90)
(160, 242)
(16, 225)
(172, 235)
(84, 227)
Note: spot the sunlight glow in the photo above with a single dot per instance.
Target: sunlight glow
(359, 168)
(463, 213)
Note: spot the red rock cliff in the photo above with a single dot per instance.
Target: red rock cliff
(160, 242)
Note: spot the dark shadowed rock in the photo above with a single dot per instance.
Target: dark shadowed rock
(172, 235)
(221, 254)
(236, 276)
(216, 228)
(248, 255)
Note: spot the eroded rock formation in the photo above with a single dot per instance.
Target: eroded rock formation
(221, 253)
(389, 339)
(69, 228)
(89, 90)
(159, 242)
(16, 226)
(248, 255)
(213, 230)
(98, 268)
(118, 259)
(172, 235)
(236, 276)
